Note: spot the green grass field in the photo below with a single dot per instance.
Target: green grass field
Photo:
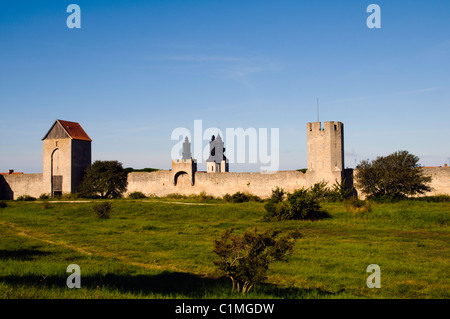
(157, 249)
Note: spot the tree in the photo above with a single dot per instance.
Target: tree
(392, 177)
(245, 259)
(105, 178)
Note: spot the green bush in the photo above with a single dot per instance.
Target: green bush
(137, 195)
(44, 196)
(3, 204)
(301, 204)
(26, 198)
(245, 258)
(103, 210)
(356, 205)
(319, 190)
(339, 192)
(239, 197)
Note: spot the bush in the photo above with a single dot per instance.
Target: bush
(245, 259)
(302, 204)
(239, 197)
(278, 194)
(319, 190)
(103, 210)
(44, 196)
(339, 192)
(26, 198)
(355, 205)
(137, 195)
(3, 204)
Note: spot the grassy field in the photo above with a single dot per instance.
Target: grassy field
(163, 249)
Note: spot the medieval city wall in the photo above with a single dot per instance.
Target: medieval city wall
(160, 183)
(217, 184)
(440, 180)
(15, 185)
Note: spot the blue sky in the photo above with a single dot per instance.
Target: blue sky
(136, 70)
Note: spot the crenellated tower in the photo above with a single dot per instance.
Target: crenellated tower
(325, 152)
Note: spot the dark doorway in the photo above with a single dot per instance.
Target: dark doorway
(57, 185)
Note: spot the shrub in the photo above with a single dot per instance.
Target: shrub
(302, 204)
(245, 259)
(26, 198)
(3, 204)
(239, 197)
(356, 205)
(339, 192)
(278, 194)
(103, 210)
(44, 196)
(137, 195)
(319, 190)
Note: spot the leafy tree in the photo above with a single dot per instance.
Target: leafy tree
(392, 177)
(105, 178)
(245, 258)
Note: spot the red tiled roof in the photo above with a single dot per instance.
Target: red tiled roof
(13, 173)
(75, 130)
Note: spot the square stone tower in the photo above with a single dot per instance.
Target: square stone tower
(325, 152)
(66, 155)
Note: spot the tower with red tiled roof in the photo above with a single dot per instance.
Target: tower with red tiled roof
(66, 155)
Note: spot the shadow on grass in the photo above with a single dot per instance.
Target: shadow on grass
(166, 284)
(319, 215)
(22, 254)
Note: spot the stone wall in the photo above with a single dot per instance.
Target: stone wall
(440, 180)
(160, 183)
(216, 184)
(13, 186)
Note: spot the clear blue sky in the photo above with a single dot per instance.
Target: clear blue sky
(136, 70)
